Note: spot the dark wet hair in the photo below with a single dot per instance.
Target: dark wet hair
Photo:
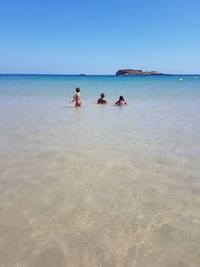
(77, 89)
(102, 95)
(121, 98)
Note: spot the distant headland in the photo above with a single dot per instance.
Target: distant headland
(137, 72)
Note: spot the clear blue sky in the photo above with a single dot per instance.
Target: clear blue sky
(99, 37)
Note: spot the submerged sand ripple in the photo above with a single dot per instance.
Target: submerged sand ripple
(115, 198)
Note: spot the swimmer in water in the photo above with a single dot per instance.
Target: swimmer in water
(77, 98)
(121, 101)
(102, 99)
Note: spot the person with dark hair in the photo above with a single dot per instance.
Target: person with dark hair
(121, 101)
(77, 98)
(102, 99)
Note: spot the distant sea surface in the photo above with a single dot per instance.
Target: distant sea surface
(99, 185)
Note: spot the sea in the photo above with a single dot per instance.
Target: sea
(100, 185)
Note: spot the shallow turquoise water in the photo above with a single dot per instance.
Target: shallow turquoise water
(99, 185)
(130, 86)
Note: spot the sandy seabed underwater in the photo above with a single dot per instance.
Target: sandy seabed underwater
(99, 185)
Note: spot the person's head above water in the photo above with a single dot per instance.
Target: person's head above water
(102, 100)
(121, 101)
(77, 89)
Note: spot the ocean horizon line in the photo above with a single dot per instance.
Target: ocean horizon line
(82, 75)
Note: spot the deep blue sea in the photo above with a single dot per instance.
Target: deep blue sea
(99, 185)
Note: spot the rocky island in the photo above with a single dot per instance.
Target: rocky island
(137, 72)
